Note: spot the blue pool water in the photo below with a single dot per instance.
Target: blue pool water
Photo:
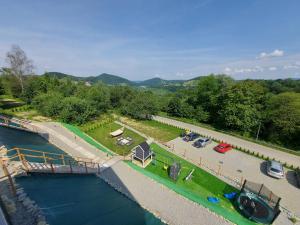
(83, 200)
(16, 138)
(71, 199)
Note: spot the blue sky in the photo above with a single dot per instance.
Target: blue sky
(141, 39)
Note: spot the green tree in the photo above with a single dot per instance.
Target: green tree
(49, 104)
(241, 105)
(76, 110)
(120, 94)
(66, 86)
(209, 90)
(283, 114)
(2, 89)
(32, 87)
(142, 106)
(98, 96)
(174, 107)
(19, 65)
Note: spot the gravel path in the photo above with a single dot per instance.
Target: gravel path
(56, 134)
(164, 203)
(272, 153)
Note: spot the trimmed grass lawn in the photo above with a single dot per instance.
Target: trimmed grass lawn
(159, 131)
(198, 188)
(101, 134)
(87, 138)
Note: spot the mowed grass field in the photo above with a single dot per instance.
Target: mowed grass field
(102, 135)
(158, 131)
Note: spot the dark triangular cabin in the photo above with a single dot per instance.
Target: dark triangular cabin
(142, 153)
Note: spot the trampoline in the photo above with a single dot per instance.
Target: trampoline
(255, 206)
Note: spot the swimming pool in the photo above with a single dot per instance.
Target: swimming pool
(78, 200)
(71, 199)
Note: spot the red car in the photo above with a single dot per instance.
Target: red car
(223, 147)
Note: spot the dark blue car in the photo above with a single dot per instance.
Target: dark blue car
(191, 136)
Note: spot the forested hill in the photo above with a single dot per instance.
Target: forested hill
(62, 75)
(275, 86)
(109, 79)
(118, 80)
(104, 77)
(158, 82)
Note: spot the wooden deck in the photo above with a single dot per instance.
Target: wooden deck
(34, 167)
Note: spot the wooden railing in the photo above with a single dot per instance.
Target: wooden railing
(53, 162)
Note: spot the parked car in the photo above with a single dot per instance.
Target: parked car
(223, 147)
(202, 142)
(275, 169)
(191, 136)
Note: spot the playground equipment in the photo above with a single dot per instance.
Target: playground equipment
(189, 176)
(258, 203)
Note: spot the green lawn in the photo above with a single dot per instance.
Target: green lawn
(158, 131)
(101, 134)
(87, 138)
(198, 188)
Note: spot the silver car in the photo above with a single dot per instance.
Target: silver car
(202, 142)
(275, 169)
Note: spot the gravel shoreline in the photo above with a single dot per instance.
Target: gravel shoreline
(20, 208)
(165, 204)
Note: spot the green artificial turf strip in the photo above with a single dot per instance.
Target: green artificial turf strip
(198, 188)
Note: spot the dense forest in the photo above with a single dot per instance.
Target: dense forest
(268, 108)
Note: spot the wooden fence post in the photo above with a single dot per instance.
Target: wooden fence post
(6, 173)
(52, 168)
(63, 159)
(24, 163)
(19, 154)
(71, 170)
(219, 170)
(44, 156)
(86, 170)
(98, 168)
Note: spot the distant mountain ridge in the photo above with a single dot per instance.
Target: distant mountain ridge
(104, 77)
(111, 79)
(156, 82)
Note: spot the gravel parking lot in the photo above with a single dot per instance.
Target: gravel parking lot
(236, 164)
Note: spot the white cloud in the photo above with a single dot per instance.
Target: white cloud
(227, 70)
(290, 66)
(254, 69)
(273, 68)
(275, 53)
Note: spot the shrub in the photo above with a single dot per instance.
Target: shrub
(293, 219)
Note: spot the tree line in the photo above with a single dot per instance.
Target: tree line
(268, 109)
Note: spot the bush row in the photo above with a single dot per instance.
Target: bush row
(94, 126)
(21, 108)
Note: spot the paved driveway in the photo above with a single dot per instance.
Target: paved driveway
(272, 153)
(236, 164)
